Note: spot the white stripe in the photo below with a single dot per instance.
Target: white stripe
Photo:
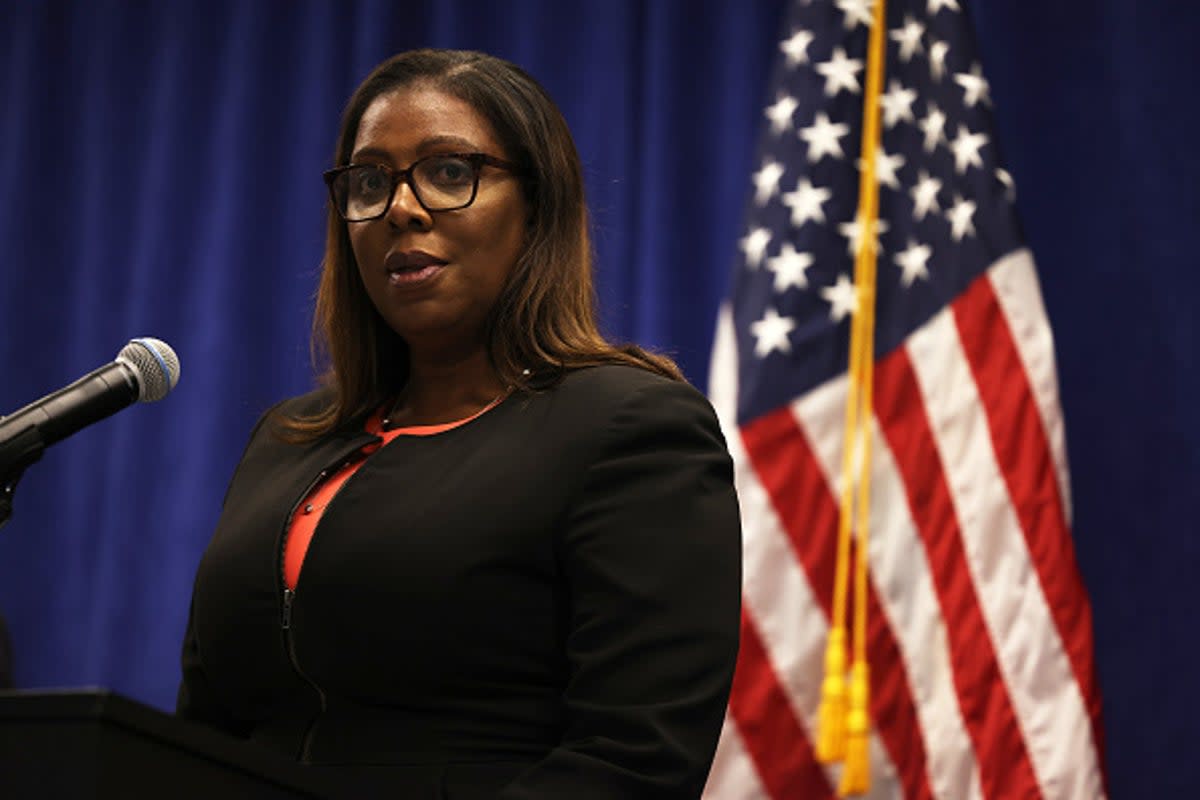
(1014, 279)
(1040, 682)
(733, 776)
(776, 592)
(791, 621)
(723, 371)
(774, 588)
(904, 585)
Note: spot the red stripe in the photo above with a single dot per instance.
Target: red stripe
(1004, 765)
(774, 739)
(788, 470)
(1024, 456)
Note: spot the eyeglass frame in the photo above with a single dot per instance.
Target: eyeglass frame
(398, 176)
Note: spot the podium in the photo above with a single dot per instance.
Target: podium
(93, 744)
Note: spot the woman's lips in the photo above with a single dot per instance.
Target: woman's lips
(410, 277)
(412, 267)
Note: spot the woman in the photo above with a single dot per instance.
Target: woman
(525, 580)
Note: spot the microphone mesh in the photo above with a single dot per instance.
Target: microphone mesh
(154, 365)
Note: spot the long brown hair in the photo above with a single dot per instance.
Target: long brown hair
(544, 322)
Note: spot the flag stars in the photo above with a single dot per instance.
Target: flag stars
(896, 104)
(754, 246)
(842, 298)
(790, 268)
(858, 12)
(908, 38)
(780, 113)
(766, 182)
(966, 148)
(924, 195)
(913, 262)
(975, 86)
(771, 333)
(936, 5)
(795, 48)
(1010, 186)
(839, 72)
(886, 167)
(806, 202)
(937, 59)
(933, 126)
(853, 231)
(961, 215)
(822, 137)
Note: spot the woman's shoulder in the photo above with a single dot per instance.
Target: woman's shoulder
(274, 418)
(617, 380)
(304, 405)
(618, 390)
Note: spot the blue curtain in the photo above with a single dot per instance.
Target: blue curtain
(160, 165)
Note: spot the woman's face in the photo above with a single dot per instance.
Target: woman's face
(434, 277)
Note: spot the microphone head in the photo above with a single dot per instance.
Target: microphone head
(154, 365)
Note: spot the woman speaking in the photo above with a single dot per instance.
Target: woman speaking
(493, 555)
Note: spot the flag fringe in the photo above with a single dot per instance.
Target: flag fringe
(856, 773)
(831, 717)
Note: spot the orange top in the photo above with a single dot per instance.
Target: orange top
(308, 514)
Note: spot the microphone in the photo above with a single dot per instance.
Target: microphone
(144, 371)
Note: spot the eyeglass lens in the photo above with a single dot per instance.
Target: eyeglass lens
(441, 183)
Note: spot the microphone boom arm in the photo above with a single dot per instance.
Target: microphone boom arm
(145, 370)
(16, 454)
(58, 413)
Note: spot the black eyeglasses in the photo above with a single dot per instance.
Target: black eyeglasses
(363, 192)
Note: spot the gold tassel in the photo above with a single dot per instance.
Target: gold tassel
(856, 772)
(831, 716)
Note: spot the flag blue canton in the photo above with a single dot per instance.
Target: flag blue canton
(945, 205)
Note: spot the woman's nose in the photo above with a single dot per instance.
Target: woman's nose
(405, 210)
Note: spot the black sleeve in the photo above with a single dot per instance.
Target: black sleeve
(196, 699)
(652, 557)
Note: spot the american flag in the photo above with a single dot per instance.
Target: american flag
(979, 633)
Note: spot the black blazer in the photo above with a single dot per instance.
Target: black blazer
(541, 603)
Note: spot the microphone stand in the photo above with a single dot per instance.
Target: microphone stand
(15, 455)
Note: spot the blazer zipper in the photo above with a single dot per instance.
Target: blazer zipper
(285, 621)
(289, 597)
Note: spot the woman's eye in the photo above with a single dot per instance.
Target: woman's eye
(372, 181)
(450, 172)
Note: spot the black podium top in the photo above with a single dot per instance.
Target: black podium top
(92, 743)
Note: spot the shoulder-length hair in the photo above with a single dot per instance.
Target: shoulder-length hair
(544, 322)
